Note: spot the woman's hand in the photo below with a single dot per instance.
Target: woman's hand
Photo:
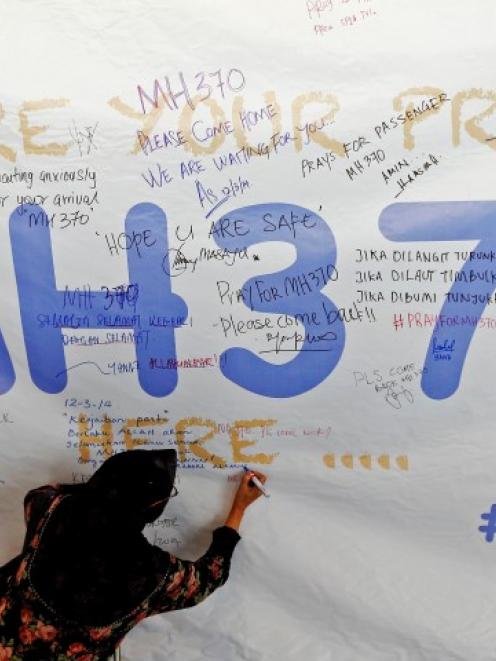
(247, 492)
(245, 495)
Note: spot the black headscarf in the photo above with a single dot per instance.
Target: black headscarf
(94, 564)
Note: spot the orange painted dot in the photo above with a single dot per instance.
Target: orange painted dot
(383, 461)
(366, 461)
(347, 460)
(329, 460)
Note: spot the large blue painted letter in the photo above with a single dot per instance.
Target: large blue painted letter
(449, 221)
(315, 260)
(7, 374)
(38, 295)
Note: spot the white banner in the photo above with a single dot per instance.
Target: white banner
(264, 233)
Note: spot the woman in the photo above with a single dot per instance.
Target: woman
(87, 575)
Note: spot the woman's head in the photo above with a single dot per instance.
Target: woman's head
(92, 559)
(135, 485)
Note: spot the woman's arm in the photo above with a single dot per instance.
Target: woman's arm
(246, 494)
(189, 583)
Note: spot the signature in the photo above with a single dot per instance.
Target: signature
(85, 362)
(85, 139)
(175, 262)
(5, 419)
(395, 394)
(444, 347)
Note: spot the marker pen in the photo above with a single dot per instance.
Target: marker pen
(256, 481)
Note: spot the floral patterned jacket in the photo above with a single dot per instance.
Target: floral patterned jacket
(30, 630)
